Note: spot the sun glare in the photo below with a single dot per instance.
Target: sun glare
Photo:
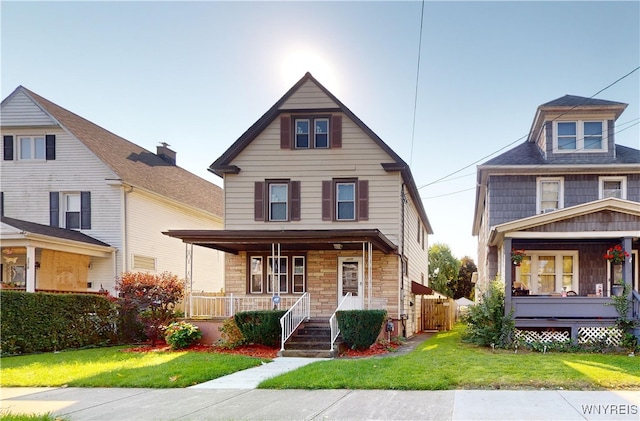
(298, 62)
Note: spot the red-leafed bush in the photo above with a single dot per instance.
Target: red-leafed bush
(153, 299)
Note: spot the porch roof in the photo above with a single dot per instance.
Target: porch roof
(235, 241)
(518, 227)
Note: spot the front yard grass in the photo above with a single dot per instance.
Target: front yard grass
(110, 367)
(444, 362)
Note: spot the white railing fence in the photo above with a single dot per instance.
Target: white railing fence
(227, 306)
(298, 312)
(333, 321)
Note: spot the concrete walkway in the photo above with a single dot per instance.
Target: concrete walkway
(84, 404)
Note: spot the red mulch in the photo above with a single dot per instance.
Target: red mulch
(262, 351)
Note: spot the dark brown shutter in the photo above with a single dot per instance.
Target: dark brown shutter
(285, 132)
(327, 203)
(54, 209)
(363, 200)
(295, 200)
(50, 140)
(85, 210)
(258, 201)
(336, 131)
(8, 148)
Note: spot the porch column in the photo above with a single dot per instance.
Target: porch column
(31, 269)
(626, 268)
(508, 280)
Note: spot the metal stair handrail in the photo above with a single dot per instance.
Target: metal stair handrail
(299, 312)
(333, 321)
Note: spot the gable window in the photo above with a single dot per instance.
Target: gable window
(278, 201)
(274, 276)
(544, 272)
(321, 133)
(302, 133)
(309, 132)
(612, 187)
(579, 136)
(29, 148)
(70, 210)
(550, 194)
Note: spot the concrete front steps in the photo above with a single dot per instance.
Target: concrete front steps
(312, 339)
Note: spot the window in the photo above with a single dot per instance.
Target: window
(278, 201)
(311, 132)
(582, 136)
(31, 147)
(550, 194)
(302, 133)
(70, 210)
(345, 201)
(544, 272)
(321, 133)
(612, 187)
(261, 278)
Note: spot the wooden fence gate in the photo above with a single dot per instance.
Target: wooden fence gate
(438, 313)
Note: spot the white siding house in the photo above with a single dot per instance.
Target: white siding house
(80, 205)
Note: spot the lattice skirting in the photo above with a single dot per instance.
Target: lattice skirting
(611, 335)
(545, 336)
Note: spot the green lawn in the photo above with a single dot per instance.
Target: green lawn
(109, 367)
(444, 362)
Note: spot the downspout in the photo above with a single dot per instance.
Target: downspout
(125, 218)
(403, 201)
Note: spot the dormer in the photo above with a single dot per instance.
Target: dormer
(576, 130)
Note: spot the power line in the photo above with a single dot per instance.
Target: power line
(415, 99)
(527, 135)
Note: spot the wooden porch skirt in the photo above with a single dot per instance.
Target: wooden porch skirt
(563, 307)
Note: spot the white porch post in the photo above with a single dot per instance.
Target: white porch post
(508, 281)
(31, 269)
(628, 263)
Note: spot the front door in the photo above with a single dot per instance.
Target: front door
(350, 280)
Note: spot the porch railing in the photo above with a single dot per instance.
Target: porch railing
(333, 321)
(299, 312)
(227, 306)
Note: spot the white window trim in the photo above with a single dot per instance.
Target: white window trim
(315, 141)
(64, 209)
(286, 202)
(275, 276)
(261, 273)
(558, 254)
(354, 201)
(310, 132)
(32, 141)
(621, 179)
(294, 274)
(539, 181)
(580, 137)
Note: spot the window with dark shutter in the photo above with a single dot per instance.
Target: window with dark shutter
(85, 210)
(1, 203)
(295, 200)
(8, 147)
(363, 200)
(327, 201)
(336, 131)
(50, 140)
(258, 201)
(54, 209)
(285, 132)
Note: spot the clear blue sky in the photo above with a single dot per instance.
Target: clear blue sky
(196, 75)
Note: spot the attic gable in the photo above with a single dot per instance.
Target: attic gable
(19, 110)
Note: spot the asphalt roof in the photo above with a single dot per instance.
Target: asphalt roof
(576, 101)
(50, 231)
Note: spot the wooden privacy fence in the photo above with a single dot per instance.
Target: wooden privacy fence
(438, 313)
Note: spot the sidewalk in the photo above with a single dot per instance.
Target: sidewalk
(83, 404)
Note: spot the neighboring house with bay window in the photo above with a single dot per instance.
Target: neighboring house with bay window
(562, 198)
(317, 205)
(80, 205)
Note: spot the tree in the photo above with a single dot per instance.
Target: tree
(443, 268)
(153, 299)
(462, 286)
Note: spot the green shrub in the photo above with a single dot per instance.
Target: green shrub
(360, 328)
(487, 324)
(180, 335)
(231, 336)
(39, 322)
(260, 327)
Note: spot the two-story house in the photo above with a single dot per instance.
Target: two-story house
(317, 205)
(561, 199)
(80, 205)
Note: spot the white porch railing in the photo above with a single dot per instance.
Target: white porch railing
(333, 321)
(227, 306)
(298, 312)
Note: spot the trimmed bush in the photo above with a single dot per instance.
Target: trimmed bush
(39, 322)
(260, 327)
(180, 335)
(360, 328)
(231, 337)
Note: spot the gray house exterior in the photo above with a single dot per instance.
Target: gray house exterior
(562, 199)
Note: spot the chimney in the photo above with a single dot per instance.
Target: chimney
(166, 154)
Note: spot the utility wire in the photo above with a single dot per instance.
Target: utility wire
(525, 136)
(415, 99)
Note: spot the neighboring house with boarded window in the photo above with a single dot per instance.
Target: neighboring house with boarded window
(319, 208)
(80, 205)
(561, 200)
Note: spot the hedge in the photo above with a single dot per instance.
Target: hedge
(39, 322)
(260, 327)
(360, 328)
